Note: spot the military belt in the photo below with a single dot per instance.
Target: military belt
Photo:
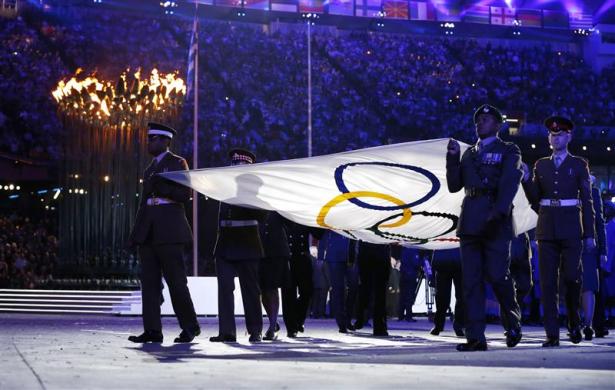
(238, 223)
(159, 201)
(559, 202)
(474, 192)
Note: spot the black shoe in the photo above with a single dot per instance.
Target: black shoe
(357, 325)
(350, 327)
(436, 330)
(575, 335)
(343, 330)
(187, 336)
(551, 342)
(223, 338)
(291, 334)
(271, 335)
(589, 333)
(147, 337)
(513, 337)
(472, 345)
(301, 328)
(381, 333)
(600, 333)
(255, 338)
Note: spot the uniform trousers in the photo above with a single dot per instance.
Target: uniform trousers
(374, 279)
(166, 261)
(344, 284)
(407, 294)
(487, 259)
(297, 292)
(247, 271)
(553, 254)
(448, 273)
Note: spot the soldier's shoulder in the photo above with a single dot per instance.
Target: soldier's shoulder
(511, 147)
(177, 158)
(467, 152)
(542, 161)
(581, 161)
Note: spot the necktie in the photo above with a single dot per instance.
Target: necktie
(558, 161)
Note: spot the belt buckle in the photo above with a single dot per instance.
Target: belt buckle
(555, 202)
(156, 201)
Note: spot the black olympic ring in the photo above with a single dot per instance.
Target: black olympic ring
(395, 236)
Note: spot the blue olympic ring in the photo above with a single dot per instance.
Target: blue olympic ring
(339, 180)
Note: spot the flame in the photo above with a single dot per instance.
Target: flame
(104, 108)
(90, 97)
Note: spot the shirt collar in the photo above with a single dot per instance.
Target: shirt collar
(562, 155)
(482, 143)
(159, 157)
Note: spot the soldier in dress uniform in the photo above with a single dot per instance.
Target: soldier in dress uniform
(490, 174)
(374, 262)
(446, 265)
(161, 231)
(560, 191)
(238, 252)
(339, 254)
(297, 292)
(274, 270)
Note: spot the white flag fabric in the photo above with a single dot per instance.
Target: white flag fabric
(386, 194)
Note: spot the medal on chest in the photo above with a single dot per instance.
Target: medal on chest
(491, 158)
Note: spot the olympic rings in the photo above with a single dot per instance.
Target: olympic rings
(435, 185)
(405, 215)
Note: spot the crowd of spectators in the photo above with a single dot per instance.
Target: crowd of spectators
(28, 251)
(28, 122)
(368, 88)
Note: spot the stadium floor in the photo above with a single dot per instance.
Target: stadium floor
(91, 352)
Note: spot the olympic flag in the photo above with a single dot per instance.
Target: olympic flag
(386, 194)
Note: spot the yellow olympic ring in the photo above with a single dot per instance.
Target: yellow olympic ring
(324, 211)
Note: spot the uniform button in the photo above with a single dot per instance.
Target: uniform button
(555, 192)
(555, 182)
(556, 172)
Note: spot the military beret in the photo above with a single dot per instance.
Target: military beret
(154, 128)
(239, 154)
(556, 124)
(489, 110)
